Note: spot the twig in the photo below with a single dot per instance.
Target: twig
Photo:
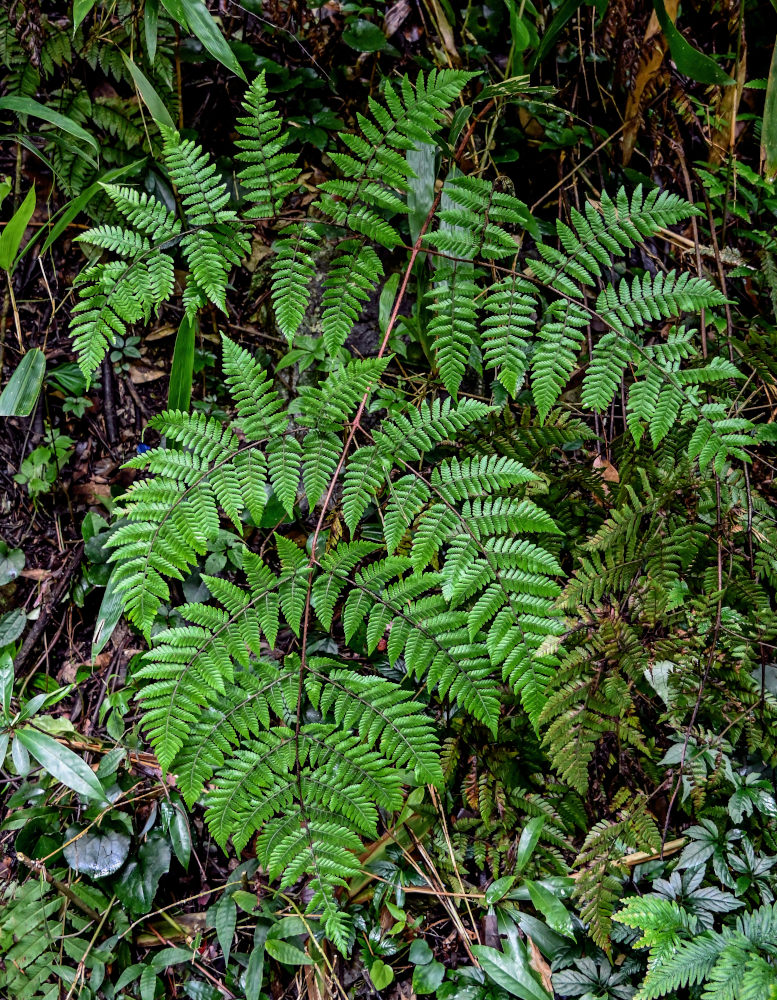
(109, 404)
(57, 593)
(61, 887)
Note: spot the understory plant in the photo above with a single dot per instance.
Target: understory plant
(439, 564)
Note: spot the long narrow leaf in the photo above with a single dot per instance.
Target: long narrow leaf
(62, 764)
(27, 106)
(21, 394)
(11, 236)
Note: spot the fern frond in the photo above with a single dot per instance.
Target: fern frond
(269, 172)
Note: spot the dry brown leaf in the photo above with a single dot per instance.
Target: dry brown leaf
(166, 330)
(145, 373)
(395, 17)
(654, 47)
(540, 966)
(724, 135)
(609, 472)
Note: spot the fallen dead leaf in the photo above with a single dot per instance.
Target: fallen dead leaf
(540, 966)
(609, 472)
(166, 330)
(654, 48)
(145, 373)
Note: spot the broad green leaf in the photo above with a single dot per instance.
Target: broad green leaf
(225, 921)
(62, 764)
(382, 975)
(170, 956)
(19, 397)
(689, 61)
(11, 236)
(769, 129)
(151, 99)
(11, 626)
(287, 927)
(420, 952)
(80, 9)
(528, 841)
(558, 917)
(179, 392)
(20, 757)
(511, 972)
(27, 106)
(4, 738)
(11, 563)
(147, 983)
(98, 852)
(286, 953)
(245, 900)
(498, 888)
(364, 36)
(138, 883)
(194, 15)
(426, 978)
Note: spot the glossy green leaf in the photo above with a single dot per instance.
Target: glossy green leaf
(421, 159)
(13, 231)
(138, 883)
(62, 764)
(364, 36)
(498, 888)
(528, 841)
(286, 953)
(80, 9)
(19, 397)
(11, 563)
(511, 971)
(179, 392)
(688, 60)
(97, 852)
(151, 99)
(194, 15)
(558, 917)
(20, 757)
(176, 824)
(27, 106)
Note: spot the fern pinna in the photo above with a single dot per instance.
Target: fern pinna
(300, 699)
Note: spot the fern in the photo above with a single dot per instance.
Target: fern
(732, 963)
(269, 172)
(442, 570)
